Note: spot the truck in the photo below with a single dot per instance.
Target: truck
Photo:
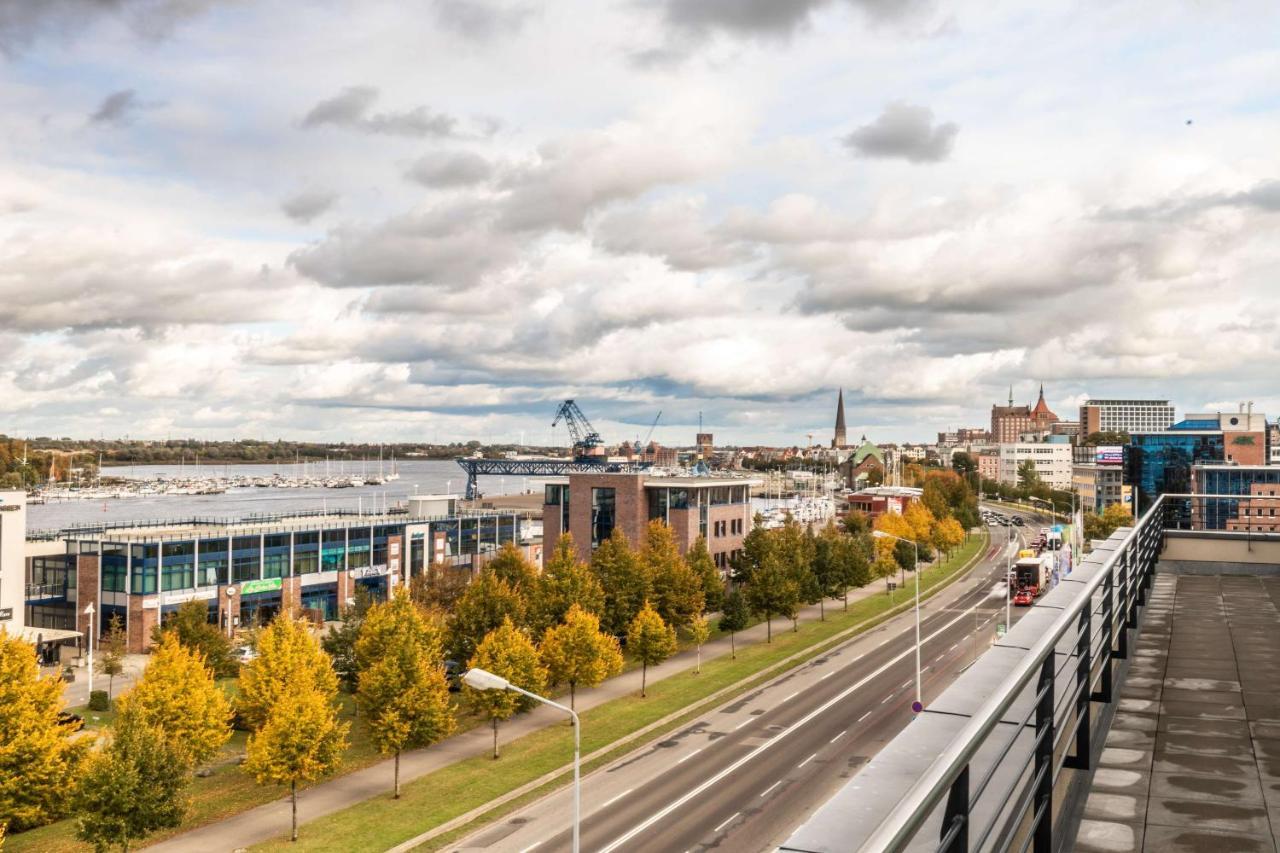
(1030, 578)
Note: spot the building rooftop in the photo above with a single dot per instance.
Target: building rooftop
(652, 480)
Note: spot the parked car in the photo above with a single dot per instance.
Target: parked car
(245, 654)
(453, 675)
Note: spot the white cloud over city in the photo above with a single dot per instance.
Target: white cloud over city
(342, 220)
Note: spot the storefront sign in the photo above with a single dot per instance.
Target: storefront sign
(6, 613)
(369, 572)
(265, 585)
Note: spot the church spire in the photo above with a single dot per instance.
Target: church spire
(1011, 395)
(838, 440)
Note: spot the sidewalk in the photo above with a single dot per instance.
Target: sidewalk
(77, 692)
(272, 819)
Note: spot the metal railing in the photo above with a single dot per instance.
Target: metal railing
(1062, 673)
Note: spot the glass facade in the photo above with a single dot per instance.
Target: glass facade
(213, 562)
(179, 565)
(306, 553)
(1216, 514)
(275, 555)
(603, 514)
(1160, 462)
(145, 563)
(246, 559)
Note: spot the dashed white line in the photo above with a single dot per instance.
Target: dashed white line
(864, 716)
(886, 699)
(792, 696)
(727, 822)
(828, 675)
(837, 737)
(531, 846)
(690, 755)
(807, 760)
(907, 683)
(743, 723)
(769, 789)
(615, 799)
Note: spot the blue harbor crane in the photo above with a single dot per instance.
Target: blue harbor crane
(586, 441)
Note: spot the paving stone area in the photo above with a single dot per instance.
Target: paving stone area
(1192, 760)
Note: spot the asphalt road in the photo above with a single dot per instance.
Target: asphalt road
(748, 773)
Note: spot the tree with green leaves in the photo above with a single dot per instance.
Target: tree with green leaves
(857, 523)
(132, 788)
(757, 545)
(508, 652)
(651, 640)
(40, 759)
(191, 626)
(851, 556)
(577, 653)
(177, 695)
(289, 658)
(512, 566)
(734, 618)
(402, 688)
(111, 652)
(340, 642)
(485, 603)
(772, 591)
(701, 564)
(699, 631)
(1028, 476)
(623, 578)
(826, 572)
(300, 739)
(676, 592)
(794, 547)
(566, 581)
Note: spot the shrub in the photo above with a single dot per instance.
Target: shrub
(98, 701)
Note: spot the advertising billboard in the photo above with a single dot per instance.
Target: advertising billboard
(1109, 455)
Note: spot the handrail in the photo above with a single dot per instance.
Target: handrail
(916, 805)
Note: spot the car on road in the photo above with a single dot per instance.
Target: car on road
(1023, 598)
(245, 654)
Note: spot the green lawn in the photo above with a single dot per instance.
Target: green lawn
(435, 799)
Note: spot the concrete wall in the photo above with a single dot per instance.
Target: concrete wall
(1188, 552)
(13, 571)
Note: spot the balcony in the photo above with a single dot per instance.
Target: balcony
(39, 593)
(1136, 707)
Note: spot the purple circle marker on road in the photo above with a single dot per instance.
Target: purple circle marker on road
(916, 707)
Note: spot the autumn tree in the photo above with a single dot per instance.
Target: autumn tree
(699, 631)
(508, 652)
(676, 591)
(651, 640)
(948, 535)
(190, 625)
(289, 657)
(772, 591)
(566, 581)
(111, 652)
(39, 759)
(511, 565)
(624, 580)
(438, 586)
(340, 642)
(757, 545)
(701, 564)
(132, 788)
(487, 601)
(177, 696)
(300, 739)
(734, 617)
(576, 653)
(852, 567)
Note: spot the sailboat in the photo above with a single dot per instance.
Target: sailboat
(394, 475)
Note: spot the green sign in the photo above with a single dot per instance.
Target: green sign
(267, 585)
(1000, 629)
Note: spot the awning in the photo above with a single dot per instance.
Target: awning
(47, 635)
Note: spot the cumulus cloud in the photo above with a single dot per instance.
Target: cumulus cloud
(449, 169)
(117, 108)
(769, 18)
(481, 19)
(351, 109)
(675, 230)
(24, 21)
(308, 204)
(904, 131)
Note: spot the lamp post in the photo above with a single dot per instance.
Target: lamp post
(880, 534)
(479, 679)
(88, 610)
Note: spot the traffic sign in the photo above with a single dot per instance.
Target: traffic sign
(916, 707)
(1001, 630)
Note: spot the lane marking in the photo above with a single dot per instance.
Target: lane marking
(907, 683)
(615, 799)
(792, 696)
(864, 716)
(531, 846)
(828, 675)
(886, 699)
(842, 734)
(807, 760)
(727, 822)
(743, 723)
(770, 788)
(953, 647)
(773, 741)
(690, 755)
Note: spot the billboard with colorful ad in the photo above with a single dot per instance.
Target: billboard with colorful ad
(1109, 455)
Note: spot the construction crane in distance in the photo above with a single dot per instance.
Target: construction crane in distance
(652, 427)
(586, 441)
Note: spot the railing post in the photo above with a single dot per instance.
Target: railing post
(955, 819)
(1103, 693)
(1122, 608)
(1080, 760)
(1043, 803)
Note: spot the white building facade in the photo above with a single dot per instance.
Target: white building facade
(1053, 462)
(13, 539)
(1125, 416)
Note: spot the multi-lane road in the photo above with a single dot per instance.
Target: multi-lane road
(746, 774)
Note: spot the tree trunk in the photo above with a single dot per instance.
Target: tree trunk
(110, 682)
(769, 627)
(396, 786)
(733, 646)
(572, 688)
(495, 738)
(698, 671)
(644, 674)
(822, 609)
(846, 600)
(293, 796)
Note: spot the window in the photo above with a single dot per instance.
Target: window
(212, 570)
(333, 550)
(602, 515)
(658, 502)
(179, 565)
(246, 557)
(113, 568)
(275, 557)
(306, 553)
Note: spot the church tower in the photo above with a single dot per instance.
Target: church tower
(839, 440)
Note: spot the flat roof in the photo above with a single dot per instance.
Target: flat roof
(695, 482)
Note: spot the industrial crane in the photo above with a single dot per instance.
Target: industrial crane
(586, 440)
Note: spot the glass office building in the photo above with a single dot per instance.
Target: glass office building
(1257, 481)
(1160, 463)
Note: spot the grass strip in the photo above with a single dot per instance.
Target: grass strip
(540, 762)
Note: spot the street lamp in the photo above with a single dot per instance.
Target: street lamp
(880, 534)
(88, 610)
(479, 679)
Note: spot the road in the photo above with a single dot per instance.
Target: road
(746, 774)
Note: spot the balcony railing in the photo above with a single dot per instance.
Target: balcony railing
(45, 591)
(978, 769)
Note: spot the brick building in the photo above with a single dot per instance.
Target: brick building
(591, 506)
(1009, 423)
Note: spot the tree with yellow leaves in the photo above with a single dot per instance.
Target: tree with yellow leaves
(676, 592)
(288, 656)
(39, 757)
(699, 631)
(508, 652)
(300, 739)
(651, 640)
(576, 653)
(948, 535)
(565, 581)
(177, 696)
(402, 687)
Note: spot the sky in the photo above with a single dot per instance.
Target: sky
(433, 220)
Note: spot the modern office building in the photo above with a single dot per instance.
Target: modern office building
(591, 506)
(1159, 463)
(1257, 515)
(1099, 486)
(1125, 416)
(248, 570)
(1052, 461)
